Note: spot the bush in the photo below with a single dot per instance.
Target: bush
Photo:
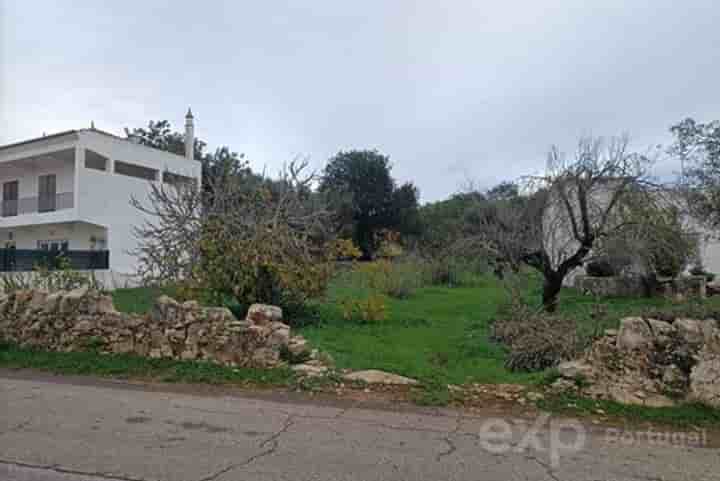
(372, 309)
(535, 339)
(397, 279)
(452, 271)
(57, 277)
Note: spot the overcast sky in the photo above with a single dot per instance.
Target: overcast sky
(451, 90)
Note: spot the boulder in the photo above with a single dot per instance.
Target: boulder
(661, 330)
(575, 369)
(705, 380)
(634, 333)
(264, 314)
(309, 370)
(690, 330)
(374, 376)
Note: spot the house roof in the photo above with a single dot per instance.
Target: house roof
(38, 139)
(75, 132)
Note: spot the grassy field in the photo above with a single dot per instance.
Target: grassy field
(439, 335)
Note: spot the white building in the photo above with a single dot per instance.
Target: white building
(71, 192)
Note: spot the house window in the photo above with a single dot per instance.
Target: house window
(10, 199)
(47, 192)
(137, 171)
(56, 245)
(177, 179)
(95, 161)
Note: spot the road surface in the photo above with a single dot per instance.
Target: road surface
(91, 431)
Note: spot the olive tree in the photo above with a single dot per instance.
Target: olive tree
(570, 209)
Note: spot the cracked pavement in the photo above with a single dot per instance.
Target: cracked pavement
(61, 431)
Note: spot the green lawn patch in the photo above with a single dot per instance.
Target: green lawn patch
(439, 335)
(128, 366)
(685, 415)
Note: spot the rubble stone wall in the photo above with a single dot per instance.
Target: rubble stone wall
(82, 319)
(652, 362)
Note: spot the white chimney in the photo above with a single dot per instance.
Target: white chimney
(189, 136)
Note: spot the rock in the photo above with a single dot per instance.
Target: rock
(71, 300)
(299, 346)
(623, 395)
(611, 332)
(663, 331)
(658, 401)
(309, 370)
(634, 333)
(264, 314)
(564, 385)
(279, 336)
(705, 380)
(575, 369)
(690, 330)
(374, 376)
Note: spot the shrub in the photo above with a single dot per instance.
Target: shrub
(454, 271)
(535, 339)
(56, 277)
(372, 309)
(397, 279)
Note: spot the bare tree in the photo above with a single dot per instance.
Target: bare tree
(572, 207)
(253, 241)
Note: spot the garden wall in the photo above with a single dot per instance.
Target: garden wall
(633, 286)
(83, 319)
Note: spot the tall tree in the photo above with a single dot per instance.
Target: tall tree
(365, 197)
(576, 204)
(698, 146)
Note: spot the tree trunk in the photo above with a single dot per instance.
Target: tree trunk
(551, 291)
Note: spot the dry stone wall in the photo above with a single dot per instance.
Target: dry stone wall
(82, 319)
(651, 362)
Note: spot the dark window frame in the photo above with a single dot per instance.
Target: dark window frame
(136, 171)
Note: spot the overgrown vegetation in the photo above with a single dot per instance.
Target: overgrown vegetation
(51, 276)
(128, 366)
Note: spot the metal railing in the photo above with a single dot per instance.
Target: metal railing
(30, 205)
(23, 260)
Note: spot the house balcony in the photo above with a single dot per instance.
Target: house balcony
(32, 205)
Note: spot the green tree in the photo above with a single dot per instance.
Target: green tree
(366, 199)
(698, 146)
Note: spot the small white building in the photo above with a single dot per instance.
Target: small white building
(71, 192)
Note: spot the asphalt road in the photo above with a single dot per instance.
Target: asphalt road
(60, 431)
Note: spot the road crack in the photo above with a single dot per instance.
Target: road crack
(272, 440)
(59, 469)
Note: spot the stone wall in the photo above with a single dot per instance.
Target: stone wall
(633, 286)
(652, 362)
(624, 286)
(83, 319)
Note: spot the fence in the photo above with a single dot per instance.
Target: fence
(19, 260)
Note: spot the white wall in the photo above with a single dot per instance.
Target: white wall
(104, 197)
(77, 234)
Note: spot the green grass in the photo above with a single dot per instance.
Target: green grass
(438, 335)
(136, 300)
(683, 415)
(128, 366)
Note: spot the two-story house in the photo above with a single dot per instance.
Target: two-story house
(70, 192)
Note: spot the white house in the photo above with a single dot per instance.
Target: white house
(71, 192)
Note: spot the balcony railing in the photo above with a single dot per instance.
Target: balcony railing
(30, 205)
(20, 260)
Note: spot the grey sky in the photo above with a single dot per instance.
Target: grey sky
(451, 90)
